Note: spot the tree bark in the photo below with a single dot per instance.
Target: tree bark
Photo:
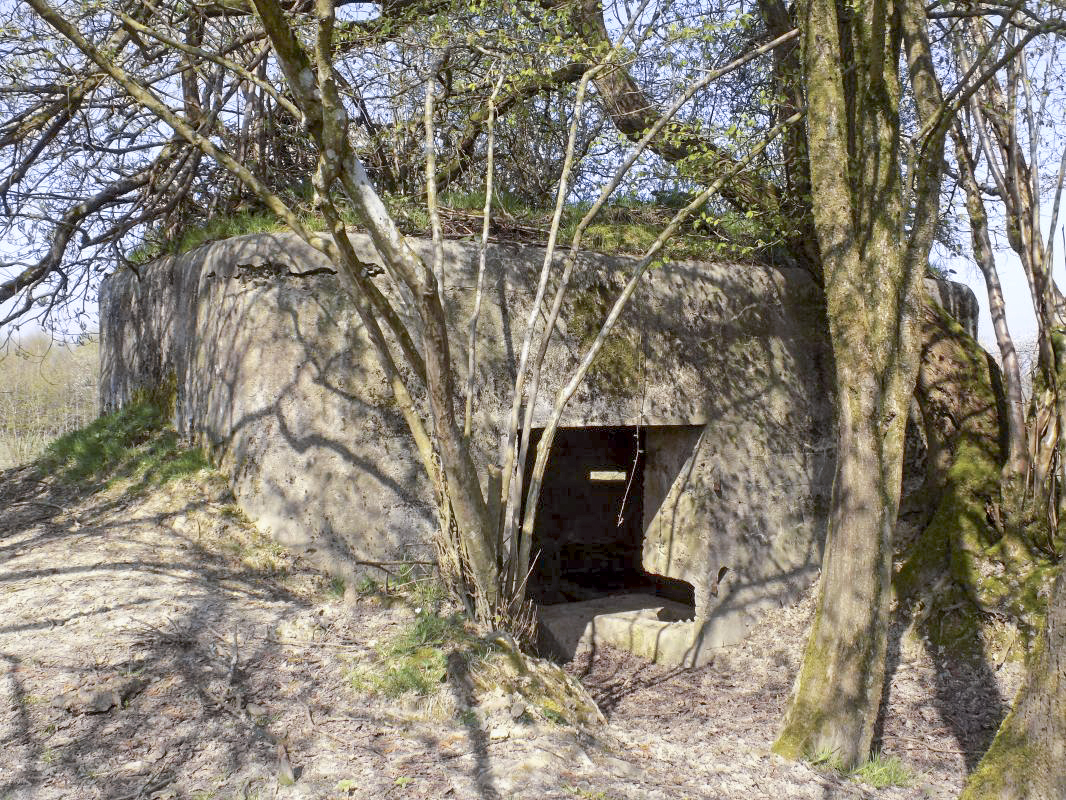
(1017, 461)
(873, 292)
(1027, 759)
(838, 690)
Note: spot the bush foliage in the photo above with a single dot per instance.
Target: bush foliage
(46, 389)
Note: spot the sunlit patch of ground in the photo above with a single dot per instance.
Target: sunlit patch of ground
(154, 644)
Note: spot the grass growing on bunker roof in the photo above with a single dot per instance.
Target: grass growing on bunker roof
(625, 226)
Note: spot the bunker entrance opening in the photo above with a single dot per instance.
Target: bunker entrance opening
(589, 532)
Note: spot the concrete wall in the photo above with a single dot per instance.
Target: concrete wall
(726, 364)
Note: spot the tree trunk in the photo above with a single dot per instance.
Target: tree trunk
(873, 292)
(1028, 756)
(838, 690)
(327, 121)
(1017, 461)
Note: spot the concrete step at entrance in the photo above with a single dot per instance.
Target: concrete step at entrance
(658, 629)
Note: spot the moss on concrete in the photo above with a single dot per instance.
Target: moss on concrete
(972, 582)
(963, 564)
(550, 692)
(618, 367)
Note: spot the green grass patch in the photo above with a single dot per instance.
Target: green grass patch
(367, 585)
(223, 226)
(827, 758)
(214, 229)
(878, 771)
(256, 550)
(625, 226)
(882, 771)
(416, 660)
(136, 442)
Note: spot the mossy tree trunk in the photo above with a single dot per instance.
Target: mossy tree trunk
(873, 293)
(961, 412)
(1028, 756)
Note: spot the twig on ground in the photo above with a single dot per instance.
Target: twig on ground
(153, 783)
(346, 742)
(925, 746)
(37, 503)
(384, 564)
(233, 661)
(318, 729)
(336, 645)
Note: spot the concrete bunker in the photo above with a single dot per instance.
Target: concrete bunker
(730, 412)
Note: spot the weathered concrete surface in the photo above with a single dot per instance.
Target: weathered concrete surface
(274, 375)
(658, 629)
(958, 300)
(725, 365)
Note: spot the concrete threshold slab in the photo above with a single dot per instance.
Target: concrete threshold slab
(658, 629)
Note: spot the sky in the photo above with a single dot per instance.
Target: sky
(1021, 320)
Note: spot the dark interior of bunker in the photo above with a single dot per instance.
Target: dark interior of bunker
(589, 530)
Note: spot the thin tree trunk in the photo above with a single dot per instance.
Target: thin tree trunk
(1017, 458)
(482, 251)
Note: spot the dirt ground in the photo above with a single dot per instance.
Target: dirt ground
(154, 645)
